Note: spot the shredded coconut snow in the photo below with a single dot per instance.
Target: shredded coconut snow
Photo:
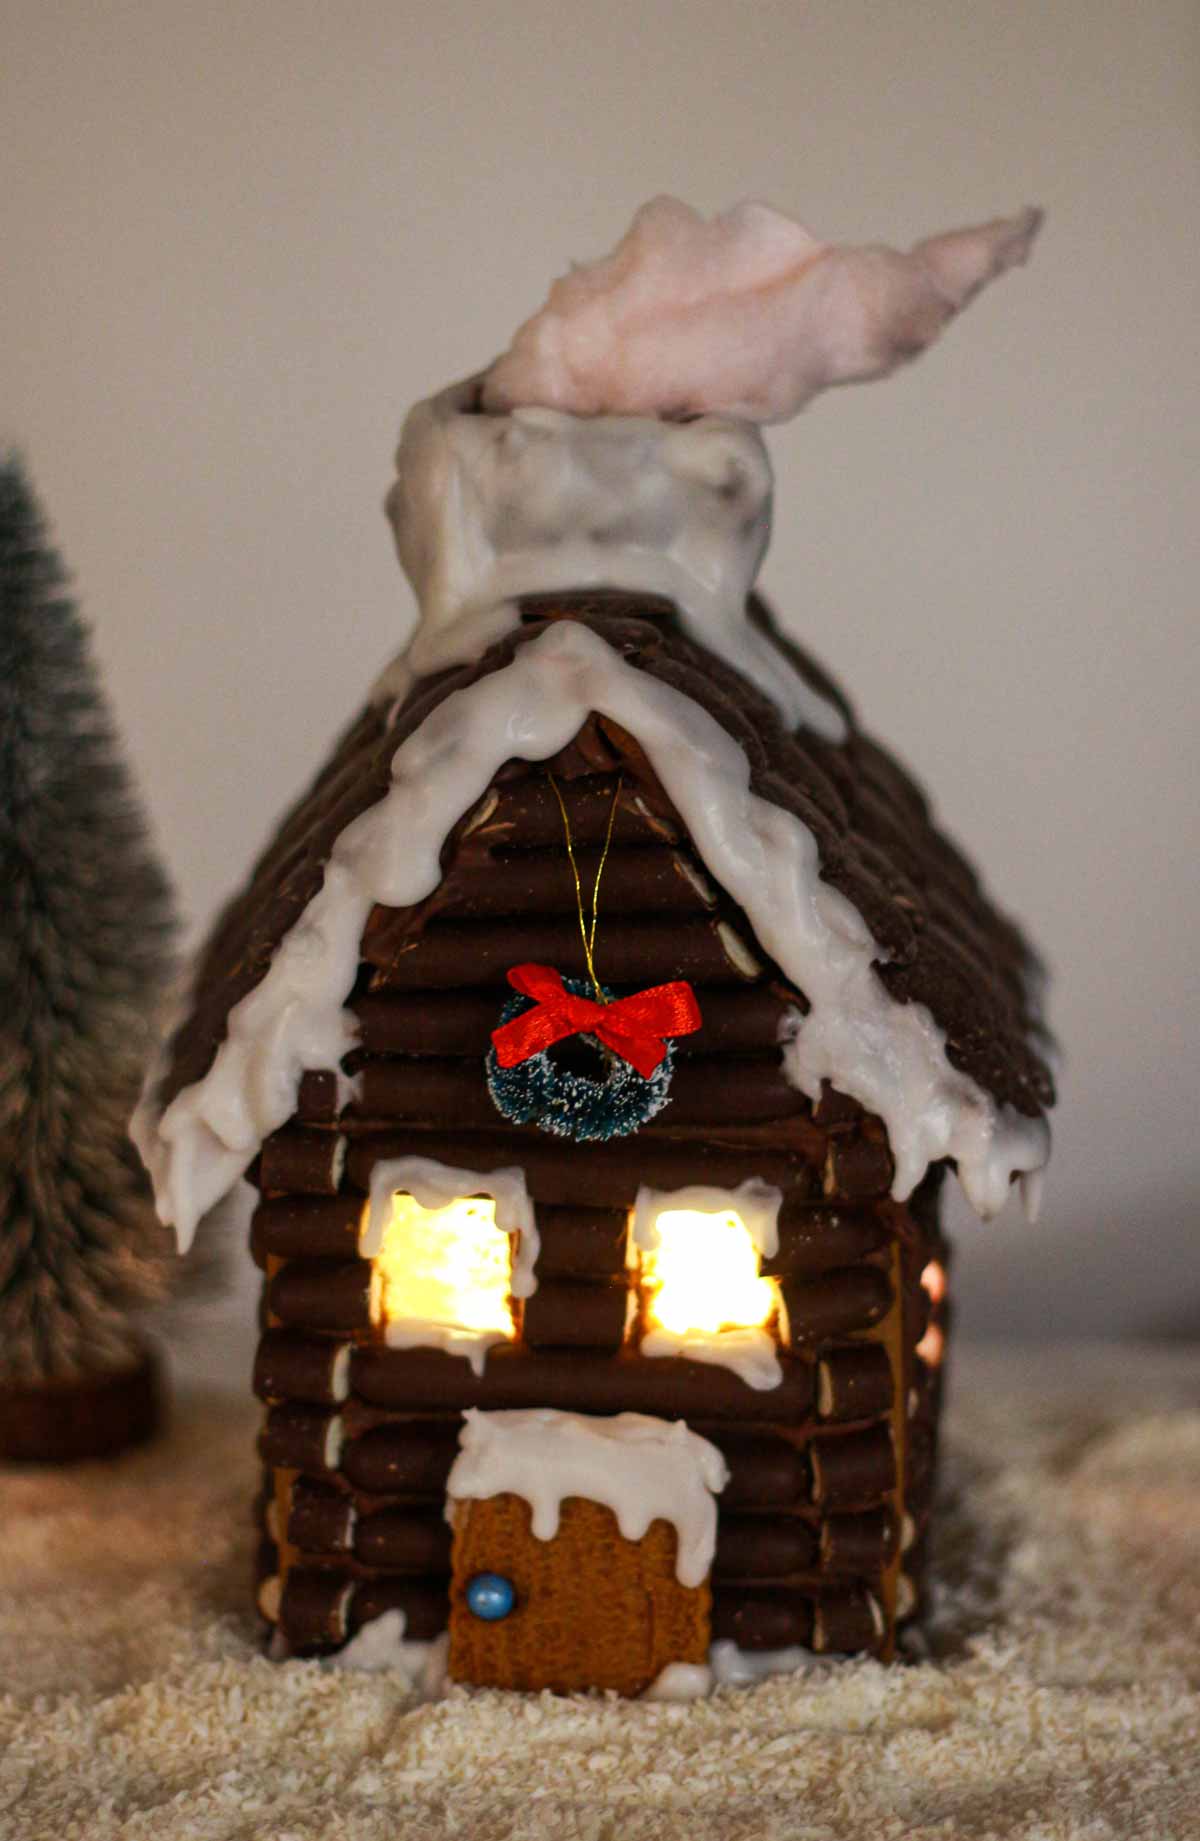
(643, 1469)
(436, 1185)
(1061, 1701)
(745, 315)
(729, 1666)
(891, 1057)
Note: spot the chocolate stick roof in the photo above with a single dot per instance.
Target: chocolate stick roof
(943, 944)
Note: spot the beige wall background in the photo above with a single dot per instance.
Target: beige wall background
(239, 239)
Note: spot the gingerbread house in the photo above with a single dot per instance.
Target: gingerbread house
(597, 1032)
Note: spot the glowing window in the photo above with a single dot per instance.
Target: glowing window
(449, 1266)
(702, 1275)
(443, 1269)
(699, 1253)
(933, 1278)
(932, 1346)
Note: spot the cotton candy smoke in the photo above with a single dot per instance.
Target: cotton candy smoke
(746, 314)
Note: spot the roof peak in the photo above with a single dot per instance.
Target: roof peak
(744, 819)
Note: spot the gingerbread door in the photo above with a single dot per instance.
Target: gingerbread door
(546, 1590)
(590, 1609)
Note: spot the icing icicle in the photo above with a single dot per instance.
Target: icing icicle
(643, 1469)
(889, 1056)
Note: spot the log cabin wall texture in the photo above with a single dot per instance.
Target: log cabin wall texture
(830, 1471)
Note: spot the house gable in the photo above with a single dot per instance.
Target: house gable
(783, 843)
(809, 1534)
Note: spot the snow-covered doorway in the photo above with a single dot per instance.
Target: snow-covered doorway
(581, 1550)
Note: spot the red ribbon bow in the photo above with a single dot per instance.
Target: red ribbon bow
(633, 1027)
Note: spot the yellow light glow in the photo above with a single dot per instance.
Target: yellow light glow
(934, 1280)
(932, 1347)
(702, 1277)
(445, 1267)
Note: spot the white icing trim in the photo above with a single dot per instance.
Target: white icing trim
(749, 1351)
(451, 1339)
(435, 1185)
(729, 1666)
(381, 1645)
(755, 1203)
(680, 1681)
(487, 508)
(891, 1057)
(643, 1469)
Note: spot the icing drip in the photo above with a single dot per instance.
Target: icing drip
(381, 1645)
(1033, 1189)
(438, 1187)
(749, 1353)
(643, 1469)
(728, 1666)
(742, 1345)
(891, 1057)
(681, 1681)
(488, 508)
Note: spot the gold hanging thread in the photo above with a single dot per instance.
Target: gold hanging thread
(588, 935)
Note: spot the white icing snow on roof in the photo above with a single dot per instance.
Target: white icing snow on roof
(643, 1469)
(889, 1056)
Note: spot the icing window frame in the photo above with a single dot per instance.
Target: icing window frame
(435, 1188)
(748, 1345)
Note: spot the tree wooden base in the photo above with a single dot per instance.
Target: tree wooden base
(88, 1416)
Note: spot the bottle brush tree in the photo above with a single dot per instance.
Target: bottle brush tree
(86, 932)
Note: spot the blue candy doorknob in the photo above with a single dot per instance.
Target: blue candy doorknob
(490, 1596)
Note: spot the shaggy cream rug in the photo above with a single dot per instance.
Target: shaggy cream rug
(1060, 1696)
